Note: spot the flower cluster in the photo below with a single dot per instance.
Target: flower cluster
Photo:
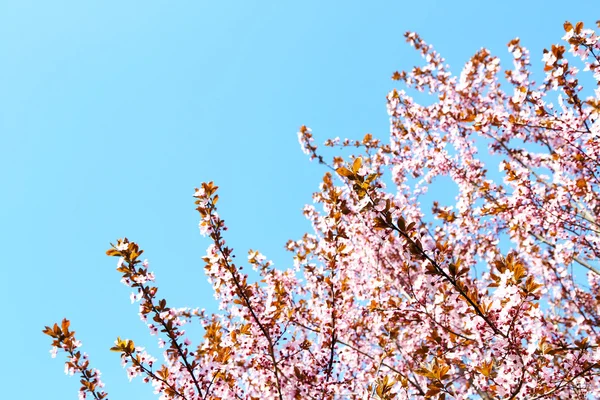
(77, 362)
(487, 299)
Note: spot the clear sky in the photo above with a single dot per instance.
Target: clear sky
(112, 112)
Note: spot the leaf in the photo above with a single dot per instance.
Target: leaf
(452, 269)
(345, 172)
(117, 348)
(65, 325)
(356, 165)
(379, 223)
(113, 253)
(371, 178)
(402, 224)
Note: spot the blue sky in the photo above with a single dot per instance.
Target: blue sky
(112, 112)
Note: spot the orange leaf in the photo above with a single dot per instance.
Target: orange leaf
(356, 165)
(343, 171)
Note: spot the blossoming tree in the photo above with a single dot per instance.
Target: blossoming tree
(388, 300)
